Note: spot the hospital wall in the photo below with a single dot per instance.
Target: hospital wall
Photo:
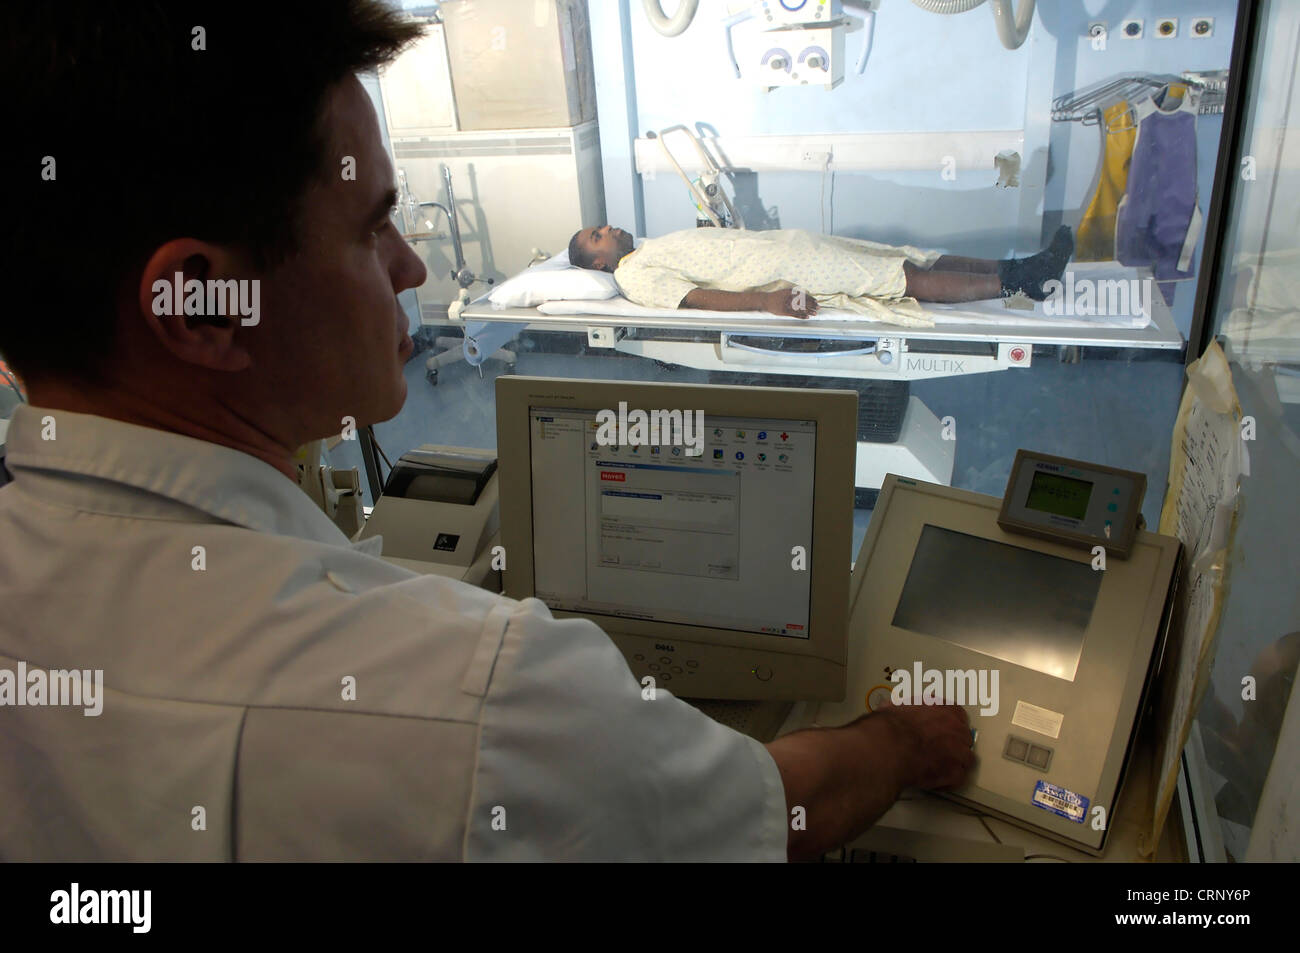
(926, 73)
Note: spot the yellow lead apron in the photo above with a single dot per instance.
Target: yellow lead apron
(1095, 238)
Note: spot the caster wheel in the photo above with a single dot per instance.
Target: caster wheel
(510, 368)
(432, 377)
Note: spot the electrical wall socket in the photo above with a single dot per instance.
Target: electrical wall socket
(1166, 28)
(1130, 30)
(1201, 27)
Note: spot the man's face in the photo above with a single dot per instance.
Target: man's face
(607, 244)
(333, 335)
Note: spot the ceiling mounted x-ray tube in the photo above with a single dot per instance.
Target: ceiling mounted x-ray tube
(1013, 25)
(808, 21)
(674, 25)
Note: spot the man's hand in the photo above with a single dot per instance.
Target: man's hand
(846, 778)
(792, 302)
(936, 740)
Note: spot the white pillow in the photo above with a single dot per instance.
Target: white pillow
(553, 280)
(559, 260)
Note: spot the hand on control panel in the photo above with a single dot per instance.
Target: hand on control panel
(934, 741)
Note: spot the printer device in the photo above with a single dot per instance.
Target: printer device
(439, 514)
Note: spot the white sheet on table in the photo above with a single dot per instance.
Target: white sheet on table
(993, 312)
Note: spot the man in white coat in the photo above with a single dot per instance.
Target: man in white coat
(195, 663)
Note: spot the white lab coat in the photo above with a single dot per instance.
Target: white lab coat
(229, 615)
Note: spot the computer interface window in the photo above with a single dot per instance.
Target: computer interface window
(655, 532)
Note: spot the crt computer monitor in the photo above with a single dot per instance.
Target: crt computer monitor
(722, 574)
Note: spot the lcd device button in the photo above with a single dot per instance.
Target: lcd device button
(1016, 750)
(1039, 757)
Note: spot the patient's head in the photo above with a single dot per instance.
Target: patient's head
(599, 248)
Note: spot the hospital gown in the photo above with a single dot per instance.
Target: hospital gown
(846, 273)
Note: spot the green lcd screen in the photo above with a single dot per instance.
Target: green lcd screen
(1062, 496)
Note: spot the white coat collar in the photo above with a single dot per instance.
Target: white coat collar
(100, 465)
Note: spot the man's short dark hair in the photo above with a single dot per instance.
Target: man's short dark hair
(580, 254)
(153, 138)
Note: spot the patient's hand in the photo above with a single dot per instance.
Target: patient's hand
(791, 302)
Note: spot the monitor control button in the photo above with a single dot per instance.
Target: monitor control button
(762, 673)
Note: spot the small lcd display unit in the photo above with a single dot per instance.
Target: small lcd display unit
(1079, 504)
(715, 557)
(1050, 654)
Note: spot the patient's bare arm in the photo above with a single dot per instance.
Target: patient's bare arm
(789, 302)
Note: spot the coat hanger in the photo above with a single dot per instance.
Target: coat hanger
(1088, 105)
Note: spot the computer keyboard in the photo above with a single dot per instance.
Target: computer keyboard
(860, 855)
(892, 845)
(759, 720)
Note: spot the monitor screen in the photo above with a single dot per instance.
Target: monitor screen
(1059, 495)
(1021, 606)
(658, 533)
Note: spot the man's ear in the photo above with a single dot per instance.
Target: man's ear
(207, 340)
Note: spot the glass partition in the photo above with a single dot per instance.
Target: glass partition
(1104, 123)
(1241, 769)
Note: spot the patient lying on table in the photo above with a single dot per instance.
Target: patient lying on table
(792, 272)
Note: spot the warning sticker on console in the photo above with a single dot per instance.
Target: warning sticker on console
(1042, 720)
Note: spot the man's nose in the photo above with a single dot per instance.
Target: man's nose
(410, 271)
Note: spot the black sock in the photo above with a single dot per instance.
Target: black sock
(1028, 275)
